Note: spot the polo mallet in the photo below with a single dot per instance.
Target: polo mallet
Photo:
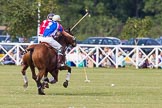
(80, 20)
(85, 73)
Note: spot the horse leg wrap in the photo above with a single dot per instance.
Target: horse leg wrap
(25, 78)
(45, 85)
(68, 76)
(45, 79)
(52, 80)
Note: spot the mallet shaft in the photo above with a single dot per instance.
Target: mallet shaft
(79, 21)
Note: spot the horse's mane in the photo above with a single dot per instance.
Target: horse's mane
(63, 39)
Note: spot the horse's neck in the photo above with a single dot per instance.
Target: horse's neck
(64, 47)
(62, 41)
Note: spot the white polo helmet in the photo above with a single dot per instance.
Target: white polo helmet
(56, 18)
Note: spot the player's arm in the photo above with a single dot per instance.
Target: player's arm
(61, 29)
(66, 34)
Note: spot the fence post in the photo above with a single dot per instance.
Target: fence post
(116, 58)
(137, 52)
(156, 59)
(97, 56)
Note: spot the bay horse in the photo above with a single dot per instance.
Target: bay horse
(44, 58)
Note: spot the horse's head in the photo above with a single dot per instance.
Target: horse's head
(67, 41)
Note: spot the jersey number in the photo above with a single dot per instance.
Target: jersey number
(48, 26)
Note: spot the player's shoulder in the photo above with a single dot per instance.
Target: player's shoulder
(45, 20)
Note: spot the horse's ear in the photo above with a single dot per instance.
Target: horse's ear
(68, 30)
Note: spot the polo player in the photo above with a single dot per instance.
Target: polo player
(49, 36)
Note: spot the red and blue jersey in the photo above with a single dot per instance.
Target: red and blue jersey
(52, 28)
(43, 26)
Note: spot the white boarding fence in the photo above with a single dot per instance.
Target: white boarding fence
(97, 55)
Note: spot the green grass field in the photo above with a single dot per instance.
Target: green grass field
(133, 89)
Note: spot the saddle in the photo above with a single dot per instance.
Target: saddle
(47, 45)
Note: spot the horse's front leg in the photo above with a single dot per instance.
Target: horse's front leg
(23, 71)
(65, 84)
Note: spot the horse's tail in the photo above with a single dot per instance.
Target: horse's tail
(28, 50)
(31, 52)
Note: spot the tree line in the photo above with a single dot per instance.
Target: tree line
(120, 18)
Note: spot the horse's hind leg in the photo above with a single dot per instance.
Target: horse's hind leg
(51, 80)
(38, 81)
(45, 81)
(55, 77)
(23, 71)
(32, 68)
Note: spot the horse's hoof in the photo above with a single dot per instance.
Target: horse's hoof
(40, 91)
(65, 84)
(25, 85)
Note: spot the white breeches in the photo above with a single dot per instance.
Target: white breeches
(39, 38)
(51, 41)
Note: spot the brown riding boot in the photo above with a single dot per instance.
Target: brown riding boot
(60, 61)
